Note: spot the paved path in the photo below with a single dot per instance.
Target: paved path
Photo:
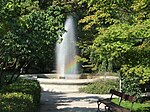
(69, 102)
(63, 96)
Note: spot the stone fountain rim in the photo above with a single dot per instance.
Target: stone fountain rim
(67, 81)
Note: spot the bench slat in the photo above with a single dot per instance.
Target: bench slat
(123, 96)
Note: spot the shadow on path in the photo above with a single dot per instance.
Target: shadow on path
(68, 102)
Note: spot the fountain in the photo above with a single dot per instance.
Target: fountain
(67, 78)
(66, 51)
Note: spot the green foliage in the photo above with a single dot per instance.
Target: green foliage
(113, 25)
(101, 87)
(137, 107)
(31, 87)
(99, 14)
(42, 28)
(125, 45)
(28, 35)
(133, 77)
(14, 102)
(23, 95)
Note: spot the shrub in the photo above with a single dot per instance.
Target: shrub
(29, 90)
(16, 102)
(133, 77)
(101, 87)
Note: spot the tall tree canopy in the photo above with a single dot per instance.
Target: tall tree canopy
(119, 37)
(28, 35)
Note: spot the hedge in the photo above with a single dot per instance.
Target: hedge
(21, 96)
(101, 86)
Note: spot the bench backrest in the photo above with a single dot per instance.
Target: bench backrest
(123, 96)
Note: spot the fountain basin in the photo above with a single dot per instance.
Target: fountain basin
(52, 83)
(63, 85)
(67, 81)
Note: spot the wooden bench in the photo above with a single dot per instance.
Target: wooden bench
(109, 105)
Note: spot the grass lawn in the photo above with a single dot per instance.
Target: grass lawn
(137, 107)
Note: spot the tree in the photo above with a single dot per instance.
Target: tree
(28, 34)
(118, 31)
(103, 13)
(99, 14)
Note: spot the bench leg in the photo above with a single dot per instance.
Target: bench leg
(98, 109)
(106, 109)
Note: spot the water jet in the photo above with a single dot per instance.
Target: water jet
(66, 52)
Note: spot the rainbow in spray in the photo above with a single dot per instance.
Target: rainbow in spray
(71, 67)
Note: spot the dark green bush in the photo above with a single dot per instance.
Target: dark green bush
(16, 102)
(31, 87)
(101, 87)
(28, 89)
